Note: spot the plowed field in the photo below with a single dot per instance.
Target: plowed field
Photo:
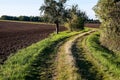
(15, 36)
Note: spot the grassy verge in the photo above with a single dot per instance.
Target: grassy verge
(107, 61)
(18, 66)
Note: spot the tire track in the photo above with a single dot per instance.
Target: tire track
(87, 69)
(65, 62)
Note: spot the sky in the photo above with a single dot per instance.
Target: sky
(31, 7)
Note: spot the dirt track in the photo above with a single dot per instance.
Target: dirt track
(66, 64)
(15, 36)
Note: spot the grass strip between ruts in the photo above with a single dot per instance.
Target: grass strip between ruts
(108, 60)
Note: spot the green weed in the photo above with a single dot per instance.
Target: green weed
(109, 61)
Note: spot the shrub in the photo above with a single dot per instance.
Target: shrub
(109, 11)
(75, 19)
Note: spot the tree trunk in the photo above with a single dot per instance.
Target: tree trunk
(57, 28)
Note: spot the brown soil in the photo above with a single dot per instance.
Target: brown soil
(92, 25)
(15, 36)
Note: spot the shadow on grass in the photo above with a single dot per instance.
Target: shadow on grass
(40, 69)
(86, 68)
(43, 67)
(105, 52)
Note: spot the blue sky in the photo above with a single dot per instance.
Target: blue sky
(31, 7)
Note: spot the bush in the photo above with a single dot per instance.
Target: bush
(109, 11)
(75, 19)
(75, 24)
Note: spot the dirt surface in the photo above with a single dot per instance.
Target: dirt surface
(15, 36)
(92, 25)
(66, 64)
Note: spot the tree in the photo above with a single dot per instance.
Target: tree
(108, 11)
(54, 9)
(24, 18)
(75, 18)
(5, 17)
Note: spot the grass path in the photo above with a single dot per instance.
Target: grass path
(106, 61)
(65, 62)
(95, 62)
(87, 69)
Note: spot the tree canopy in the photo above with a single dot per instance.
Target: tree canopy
(54, 9)
(75, 18)
(108, 11)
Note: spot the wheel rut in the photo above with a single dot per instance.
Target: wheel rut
(87, 69)
(66, 64)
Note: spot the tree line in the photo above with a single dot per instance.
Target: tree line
(25, 18)
(57, 12)
(108, 11)
(38, 19)
(94, 21)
